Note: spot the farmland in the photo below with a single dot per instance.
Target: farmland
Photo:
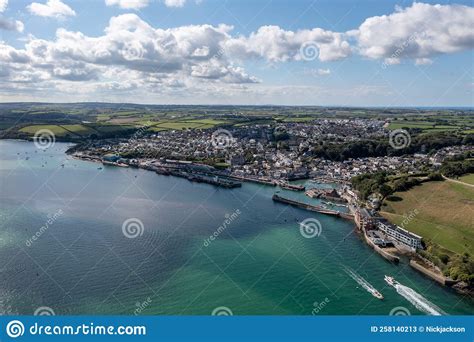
(69, 121)
(445, 213)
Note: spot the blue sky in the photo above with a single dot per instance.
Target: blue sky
(369, 53)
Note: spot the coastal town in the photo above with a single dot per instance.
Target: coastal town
(276, 155)
(266, 153)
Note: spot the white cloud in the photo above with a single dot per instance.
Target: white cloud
(423, 61)
(215, 70)
(324, 72)
(10, 24)
(128, 4)
(175, 3)
(129, 51)
(3, 5)
(277, 45)
(52, 8)
(417, 32)
(188, 61)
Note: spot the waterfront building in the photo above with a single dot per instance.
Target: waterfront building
(364, 219)
(399, 234)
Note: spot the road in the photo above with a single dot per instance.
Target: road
(459, 182)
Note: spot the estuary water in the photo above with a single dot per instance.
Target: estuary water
(62, 246)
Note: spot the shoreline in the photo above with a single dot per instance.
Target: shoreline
(389, 257)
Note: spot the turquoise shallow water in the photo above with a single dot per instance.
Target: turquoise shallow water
(259, 264)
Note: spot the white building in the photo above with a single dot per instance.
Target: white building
(400, 235)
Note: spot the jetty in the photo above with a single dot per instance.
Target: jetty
(217, 181)
(310, 207)
(253, 180)
(326, 194)
(293, 187)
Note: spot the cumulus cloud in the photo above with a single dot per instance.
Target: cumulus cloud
(3, 5)
(417, 32)
(175, 3)
(128, 4)
(10, 24)
(131, 55)
(323, 72)
(277, 45)
(52, 8)
(130, 50)
(7, 23)
(216, 70)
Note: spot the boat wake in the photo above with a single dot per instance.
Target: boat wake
(420, 302)
(361, 281)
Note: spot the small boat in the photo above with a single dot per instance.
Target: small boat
(391, 281)
(377, 294)
(100, 168)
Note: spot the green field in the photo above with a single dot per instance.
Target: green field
(445, 213)
(186, 124)
(75, 130)
(467, 178)
(423, 125)
(59, 130)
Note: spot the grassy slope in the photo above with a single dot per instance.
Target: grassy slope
(80, 130)
(467, 179)
(445, 214)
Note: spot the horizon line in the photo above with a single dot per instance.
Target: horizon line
(242, 105)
